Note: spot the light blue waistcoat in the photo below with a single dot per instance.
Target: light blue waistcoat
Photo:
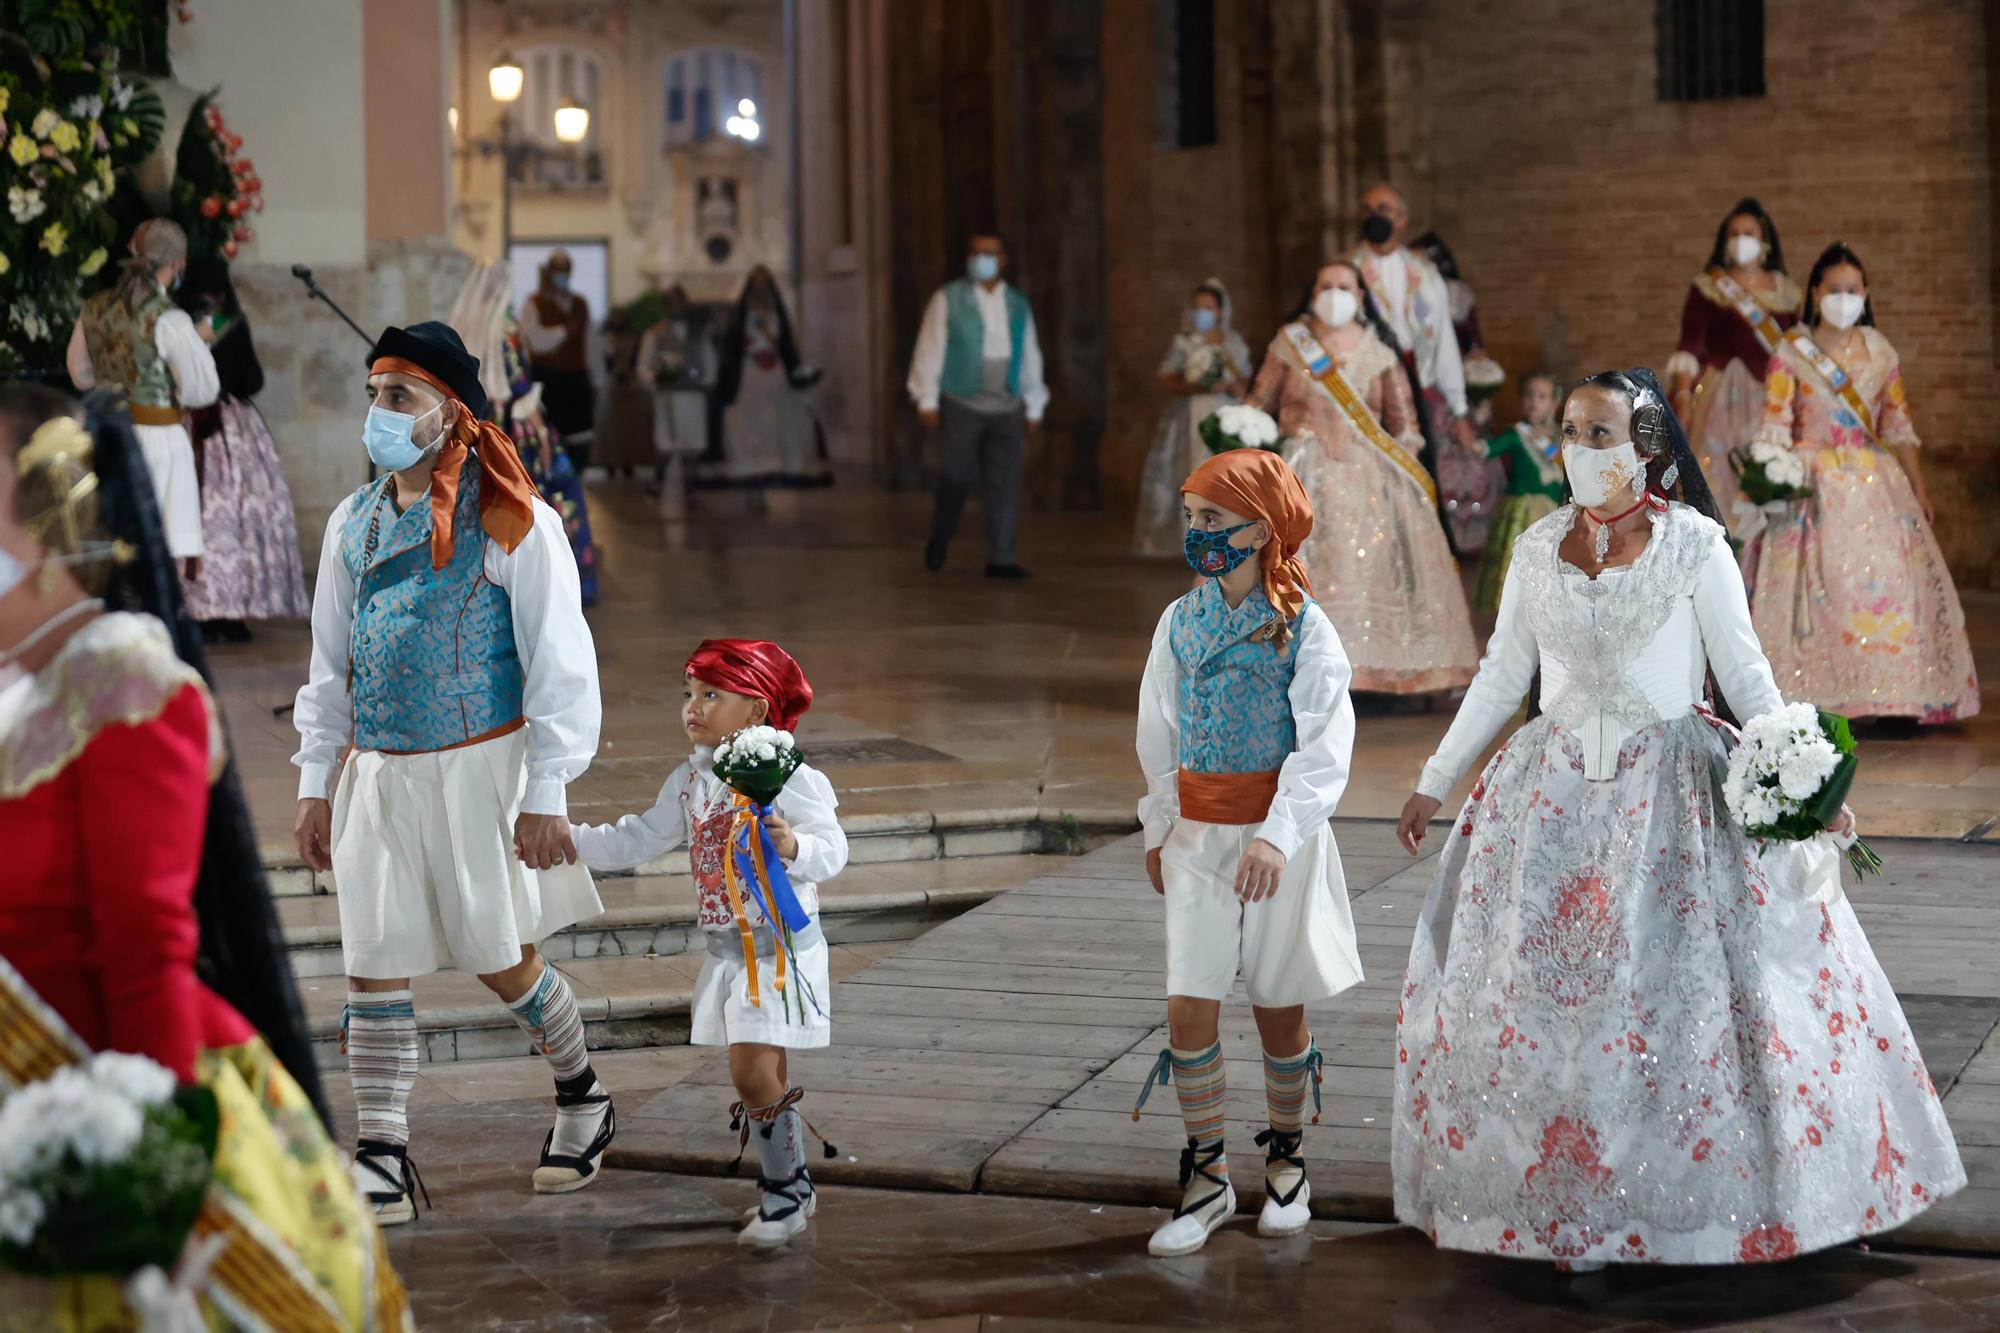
(431, 662)
(1235, 692)
(965, 340)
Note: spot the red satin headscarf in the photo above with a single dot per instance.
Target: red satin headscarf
(506, 501)
(1258, 484)
(759, 669)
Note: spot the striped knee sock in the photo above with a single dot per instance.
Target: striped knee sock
(547, 1013)
(379, 1034)
(1198, 1079)
(1285, 1081)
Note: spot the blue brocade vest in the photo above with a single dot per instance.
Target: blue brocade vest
(431, 662)
(1235, 691)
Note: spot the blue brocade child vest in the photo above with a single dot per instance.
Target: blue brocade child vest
(431, 662)
(1236, 726)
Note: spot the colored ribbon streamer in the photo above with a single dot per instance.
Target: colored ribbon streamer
(754, 861)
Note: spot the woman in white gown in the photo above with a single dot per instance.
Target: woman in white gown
(1206, 367)
(1627, 1033)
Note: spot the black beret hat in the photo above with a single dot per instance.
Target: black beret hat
(437, 348)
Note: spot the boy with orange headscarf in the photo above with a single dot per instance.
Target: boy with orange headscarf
(1245, 732)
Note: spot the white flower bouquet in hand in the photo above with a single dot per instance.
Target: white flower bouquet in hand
(1789, 776)
(1204, 366)
(1769, 472)
(103, 1168)
(1239, 426)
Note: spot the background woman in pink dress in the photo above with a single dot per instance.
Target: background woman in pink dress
(1377, 554)
(1852, 599)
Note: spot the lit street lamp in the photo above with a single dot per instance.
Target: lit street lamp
(572, 122)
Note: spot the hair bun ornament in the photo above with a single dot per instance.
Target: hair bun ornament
(54, 440)
(1649, 426)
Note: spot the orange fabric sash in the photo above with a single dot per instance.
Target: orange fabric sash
(1228, 798)
(746, 818)
(506, 502)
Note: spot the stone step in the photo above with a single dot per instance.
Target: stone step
(626, 1004)
(655, 914)
(633, 969)
(872, 839)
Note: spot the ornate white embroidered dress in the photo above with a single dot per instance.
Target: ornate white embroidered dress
(1626, 1033)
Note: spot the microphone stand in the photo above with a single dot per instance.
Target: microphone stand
(316, 292)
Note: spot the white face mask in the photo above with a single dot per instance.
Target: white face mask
(1335, 307)
(1603, 477)
(1745, 250)
(1842, 309)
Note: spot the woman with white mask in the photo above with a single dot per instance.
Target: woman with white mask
(1628, 1033)
(1206, 367)
(1377, 554)
(1737, 310)
(1852, 595)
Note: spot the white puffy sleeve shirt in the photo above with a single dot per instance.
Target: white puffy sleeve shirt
(807, 803)
(1311, 780)
(558, 661)
(188, 359)
(1709, 627)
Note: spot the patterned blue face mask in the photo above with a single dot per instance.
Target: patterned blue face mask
(1210, 554)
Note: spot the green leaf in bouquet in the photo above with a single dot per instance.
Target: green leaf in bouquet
(1837, 730)
(1825, 807)
(1212, 435)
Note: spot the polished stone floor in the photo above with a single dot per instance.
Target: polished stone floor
(954, 694)
(657, 1252)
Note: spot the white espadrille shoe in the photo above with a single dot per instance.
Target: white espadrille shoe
(786, 1209)
(1207, 1201)
(384, 1176)
(1287, 1195)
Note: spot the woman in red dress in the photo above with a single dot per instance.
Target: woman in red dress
(127, 841)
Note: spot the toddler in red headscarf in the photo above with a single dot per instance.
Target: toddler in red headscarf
(759, 994)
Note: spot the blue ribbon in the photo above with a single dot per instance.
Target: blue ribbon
(782, 893)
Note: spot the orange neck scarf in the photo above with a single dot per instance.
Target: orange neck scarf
(1258, 484)
(506, 501)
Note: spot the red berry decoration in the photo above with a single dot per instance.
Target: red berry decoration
(229, 249)
(241, 233)
(211, 207)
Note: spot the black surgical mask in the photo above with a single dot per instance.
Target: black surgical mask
(1376, 228)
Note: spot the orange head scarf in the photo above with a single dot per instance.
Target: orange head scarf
(507, 497)
(1258, 484)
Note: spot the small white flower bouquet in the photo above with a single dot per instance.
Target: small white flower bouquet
(758, 761)
(1239, 426)
(1204, 365)
(1769, 472)
(103, 1168)
(1483, 377)
(1790, 774)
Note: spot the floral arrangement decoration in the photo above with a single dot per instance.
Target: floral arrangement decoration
(1239, 426)
(756, 763)
(1769, 472)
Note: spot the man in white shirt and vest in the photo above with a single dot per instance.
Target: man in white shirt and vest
(977, 376)
(1412, 296)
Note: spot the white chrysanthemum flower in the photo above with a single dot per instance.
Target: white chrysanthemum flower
(21, 1213)
(147, 1082)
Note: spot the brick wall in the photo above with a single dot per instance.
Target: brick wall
(1579, 207)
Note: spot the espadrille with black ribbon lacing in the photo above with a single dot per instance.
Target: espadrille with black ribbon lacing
(1207, 1201)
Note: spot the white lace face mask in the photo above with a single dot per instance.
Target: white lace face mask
(1601, 477)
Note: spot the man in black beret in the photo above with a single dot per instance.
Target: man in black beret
(452, 697)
